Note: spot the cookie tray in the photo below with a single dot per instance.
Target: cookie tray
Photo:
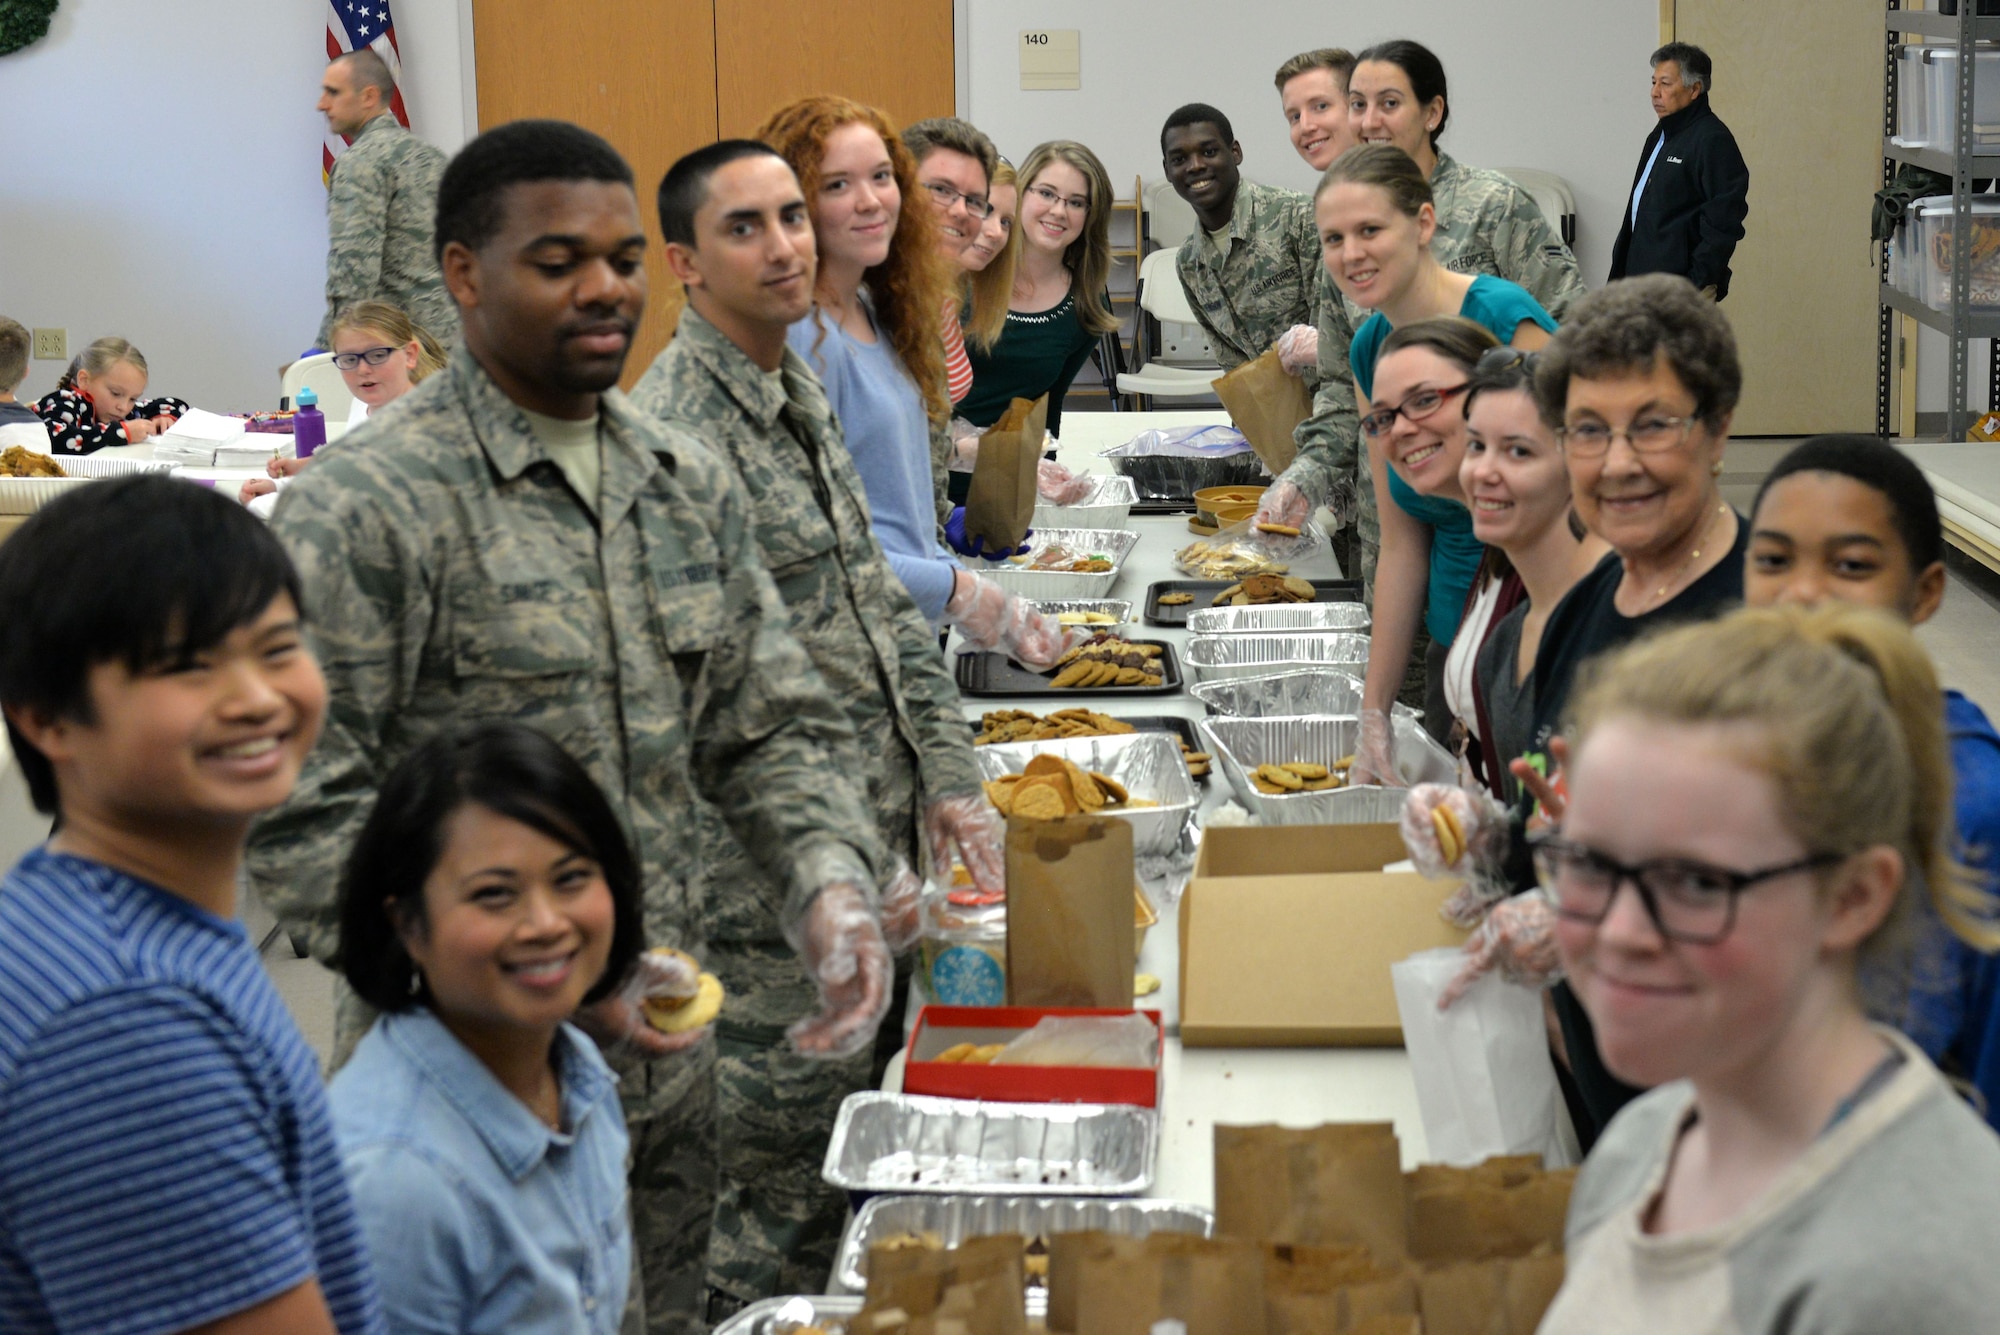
(1214, 657)
(994, 674)
(1239, 745)
(1170, 614)
(1289, 694)
(1148, 764)
(905, 1143)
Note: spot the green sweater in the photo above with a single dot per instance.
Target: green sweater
(1035, 355)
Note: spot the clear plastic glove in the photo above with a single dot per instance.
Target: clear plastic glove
(618, 1022)
(989, 617)
(900, 898)
(1519, 939)
(954, 533)
(841, 943)
(1298, 349)
(975, 826)
(1479, 824)
(964, 445)
(1284, 503)
(1058, 486)
(1375, 753)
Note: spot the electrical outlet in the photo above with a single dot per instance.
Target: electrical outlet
(52, 345)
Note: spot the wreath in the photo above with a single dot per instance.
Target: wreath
(22, 22)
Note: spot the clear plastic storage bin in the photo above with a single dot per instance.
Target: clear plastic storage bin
(1940, 64)
(1929, 258)
(1913, 94)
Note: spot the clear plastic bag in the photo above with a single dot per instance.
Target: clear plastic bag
(1086, 1040)
(1250, 548)
(1183, 442)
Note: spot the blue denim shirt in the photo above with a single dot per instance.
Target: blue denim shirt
(479, 1217)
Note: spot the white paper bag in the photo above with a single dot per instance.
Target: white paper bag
(1486, 1083)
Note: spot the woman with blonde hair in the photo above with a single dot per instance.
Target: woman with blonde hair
(991, 260)
(1057, 306)
(1796, 1167)
(872, 337)
(101, 400)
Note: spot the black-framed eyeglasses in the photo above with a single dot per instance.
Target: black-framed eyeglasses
(947, 194)
(347, 361)
(1049, 198)
(1687, 900)
(1646, 435)
(1498, 361)
(1417, 407)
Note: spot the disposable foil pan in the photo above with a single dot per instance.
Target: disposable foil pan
(1239, 745)
(25, 495)
(1117, 607)
(1171, 477)
(1287, 694)
(906, 1143)
(1149, 764)
(1116, 543)
(953, 1219)
(779, 1316)
(1218, 657)
(100, 466)
(1109, 505)
(1279, 619)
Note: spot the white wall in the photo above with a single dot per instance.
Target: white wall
(162, 180)
(1558, 85)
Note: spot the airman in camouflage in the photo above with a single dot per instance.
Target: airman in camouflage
(379, 206)
(1488, 224)
(777, 1223)
(455, 567)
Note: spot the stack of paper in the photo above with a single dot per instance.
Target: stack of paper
(194, 438)
(252, 451)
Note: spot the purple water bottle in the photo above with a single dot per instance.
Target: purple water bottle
(308, 424)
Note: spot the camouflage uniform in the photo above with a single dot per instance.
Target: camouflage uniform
(1488, 224)
(452, 574)
(1263, 281)
(777, 1223)
(381, 206)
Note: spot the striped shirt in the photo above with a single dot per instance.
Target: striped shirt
(166, 1155)
(957, 366)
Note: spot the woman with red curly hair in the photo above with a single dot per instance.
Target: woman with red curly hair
(873, 339)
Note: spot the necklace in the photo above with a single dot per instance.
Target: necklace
(1660, 593)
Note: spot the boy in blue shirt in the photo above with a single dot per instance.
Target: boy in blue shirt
(1852, 518)
(167, 1161)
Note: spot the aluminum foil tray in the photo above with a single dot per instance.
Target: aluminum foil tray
(1218, 657)
(1168, 476)
(1117, 607)
(25, 495)
(1108, 506)
(1279, 619)
(1239, 745)
(1039, 585)
(906, 1143)
(780, 1316)
(96, 465)
(953, 1219)
(1288, 694)
(1149, 764)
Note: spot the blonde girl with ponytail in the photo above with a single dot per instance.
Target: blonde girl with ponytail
(101, 400)
(1756, 805)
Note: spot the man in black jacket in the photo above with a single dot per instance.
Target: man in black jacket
(1691, 192)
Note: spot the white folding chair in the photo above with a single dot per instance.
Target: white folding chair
(1183, 366)
(1552, 196)
(318, 371)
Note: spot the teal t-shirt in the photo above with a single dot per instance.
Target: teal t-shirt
(1502, 307)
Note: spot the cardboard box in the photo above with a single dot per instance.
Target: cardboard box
(1288, 932)
(941, 1027)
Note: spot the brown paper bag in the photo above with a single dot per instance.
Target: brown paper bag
(1499, 1297)
(975, 1288)
(1069, 912)
(1501, 1208)
(1321, 1290)
(1124, 1285)
(1266, 403)
(1324, 1186)
(1001, 502)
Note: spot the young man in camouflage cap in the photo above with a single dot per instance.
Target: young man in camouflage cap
(379, 204)
(515, 541)
(740, 239)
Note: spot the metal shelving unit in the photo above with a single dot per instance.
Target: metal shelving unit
(1961, 164)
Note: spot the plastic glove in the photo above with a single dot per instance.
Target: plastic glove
(842, 947)
(964, 445)
(1284, 503)
(954, 533)
(971, 822)
(899, 900)
(618, 1022)
(1298, 349)
(1482, 826)
(1058, 486)
(1518, 938)
(989, 617)
(1375, 753)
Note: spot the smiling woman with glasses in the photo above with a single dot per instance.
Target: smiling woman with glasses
(1795, 1164)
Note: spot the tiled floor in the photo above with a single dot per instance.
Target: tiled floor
(1962, 639)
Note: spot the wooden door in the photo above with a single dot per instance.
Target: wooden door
(639, 72)
(893, 54)
(1800, 85)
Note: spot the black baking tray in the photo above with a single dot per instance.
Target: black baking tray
(995, 674)
(1176, 614)
(1164, 505)
(1167, 723)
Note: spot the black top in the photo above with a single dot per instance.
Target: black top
(1035, 355)
(1510, 698)
(1691, 214)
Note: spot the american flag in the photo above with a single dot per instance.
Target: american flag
(351, 25)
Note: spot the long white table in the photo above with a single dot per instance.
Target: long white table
(1201, 1087)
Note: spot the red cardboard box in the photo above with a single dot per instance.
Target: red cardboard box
(942, 1027)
